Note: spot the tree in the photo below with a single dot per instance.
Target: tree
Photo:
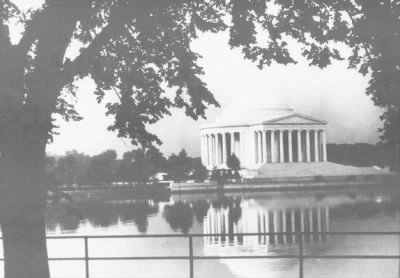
(66, 166)
(142, 168)
(102, 168)
(179, 166)
(139, 165)
(136, 49)
(157, 158)
(233, 162)
(199, 171)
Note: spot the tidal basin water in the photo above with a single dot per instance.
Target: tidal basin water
(230, 215)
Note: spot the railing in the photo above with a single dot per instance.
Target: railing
(191, 257)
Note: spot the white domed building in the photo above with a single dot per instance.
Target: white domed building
(261, 131)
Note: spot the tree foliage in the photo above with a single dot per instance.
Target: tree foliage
(137, 166)
(183, 167)
(233, 162)
(137, 49)
(102, 168)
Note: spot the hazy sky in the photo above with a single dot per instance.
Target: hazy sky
(335, 94)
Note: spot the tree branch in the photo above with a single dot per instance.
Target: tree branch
(31, 33)
(363, 44)
(79, 66)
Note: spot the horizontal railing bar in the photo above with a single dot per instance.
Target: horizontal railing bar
(227, 257)
(138, 258)
(304, 256)
(208, 235)
(194, 257)
(245, 257)
(351, 257)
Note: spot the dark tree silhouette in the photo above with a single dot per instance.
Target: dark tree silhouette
(179, 166)
(157, 158)
(71, 168)
(67, 165)
(179, 216)
(199, 171)
(102, 168)
(233, 162)
(360, 154)
(138, 165)
(139, 213)
(134, 48)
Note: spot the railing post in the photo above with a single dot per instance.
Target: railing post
(87, 257)
(301, 259)
(191, 273)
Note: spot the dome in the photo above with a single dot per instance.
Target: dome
(252, 109)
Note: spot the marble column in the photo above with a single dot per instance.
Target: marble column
(202, 149)
(217, 149)
(212, 149)
(220, 155)
(302, 225)
(290, 147)
(204, 145)
(209, 150)
(316, 146)
(273, 149)
(276, 224)
(260, 157)
(214, 152)
(232, 143)
(284, 228)
(255, 147)
(266, 227)
(264, 144)
(224, 156)
(308, 146)
(327, 219)
(319, 224)
(310, 216)
(220, 147)
(293, 219)
(281, 153)
(299, 148)
(324, 155)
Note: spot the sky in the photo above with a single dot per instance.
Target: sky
(335, 94)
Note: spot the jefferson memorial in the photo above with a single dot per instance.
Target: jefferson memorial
(262, 131)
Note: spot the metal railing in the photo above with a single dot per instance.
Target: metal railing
(299, 240)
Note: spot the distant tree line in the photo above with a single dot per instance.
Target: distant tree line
(362, 155)
(136, 166)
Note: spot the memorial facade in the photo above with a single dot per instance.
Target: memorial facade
(262, 131)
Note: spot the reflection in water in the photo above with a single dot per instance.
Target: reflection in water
(101, 214)
(257, 220)
(179, 216)
(312, 213)
(138, 213)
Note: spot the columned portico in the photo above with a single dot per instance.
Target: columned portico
(261, 136)
(270, 146)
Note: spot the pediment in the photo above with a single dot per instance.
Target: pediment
(295, 119)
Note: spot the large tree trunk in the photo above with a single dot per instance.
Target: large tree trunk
(25, 254)
(22, 204)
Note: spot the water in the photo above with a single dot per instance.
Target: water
(253, 212)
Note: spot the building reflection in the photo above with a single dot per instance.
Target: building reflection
(226, 229)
